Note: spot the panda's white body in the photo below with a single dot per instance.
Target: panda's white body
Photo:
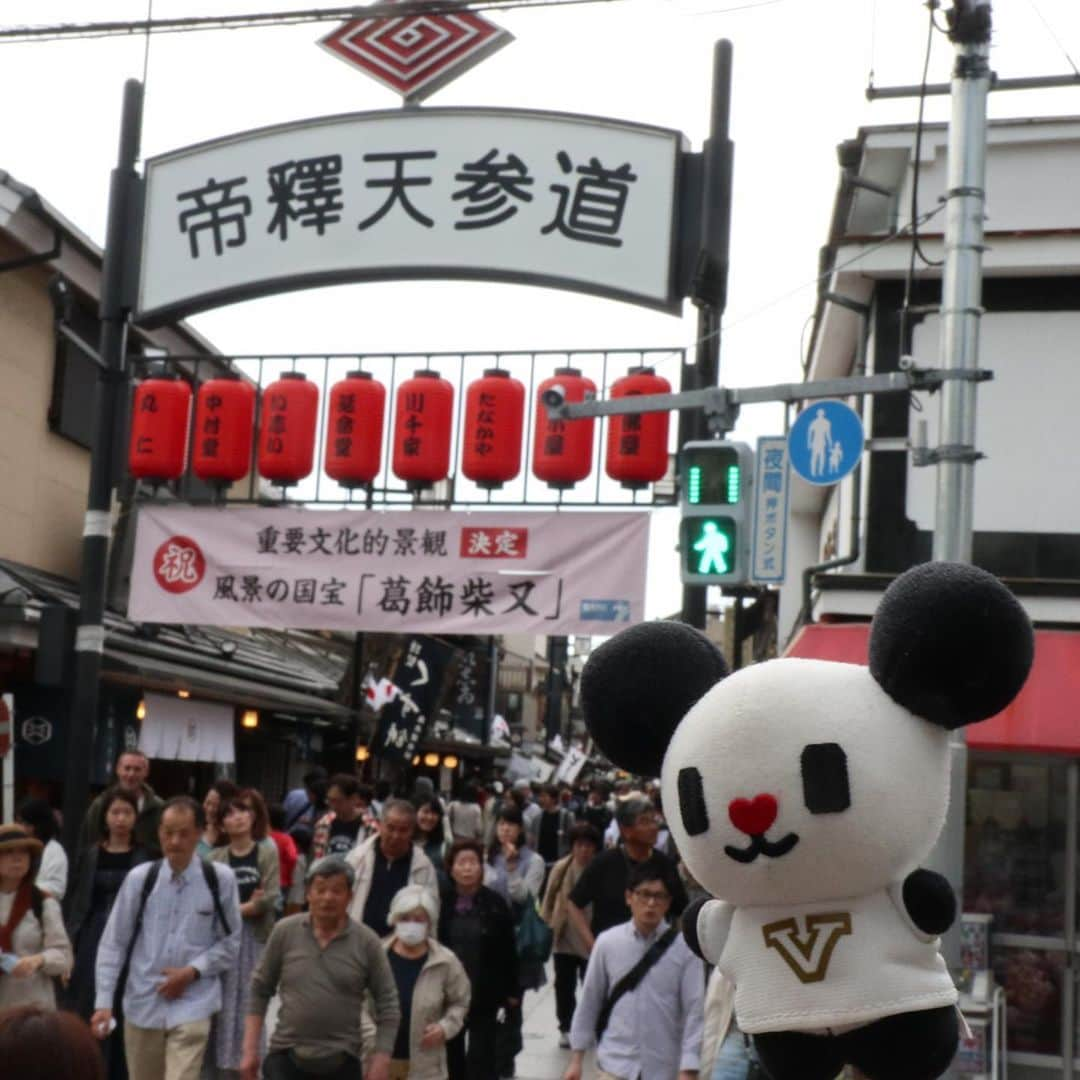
(745, 737)
(825, 968)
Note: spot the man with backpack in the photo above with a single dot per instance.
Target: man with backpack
(641, 1005)
(175, 927)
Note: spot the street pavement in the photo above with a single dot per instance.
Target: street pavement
(541, 1059)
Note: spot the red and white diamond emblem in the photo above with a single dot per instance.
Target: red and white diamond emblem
(416, 54)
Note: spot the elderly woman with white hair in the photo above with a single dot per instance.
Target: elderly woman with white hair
(433, 989)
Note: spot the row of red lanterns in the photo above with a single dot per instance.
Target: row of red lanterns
(636, 454)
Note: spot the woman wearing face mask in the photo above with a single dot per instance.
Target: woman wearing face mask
(433, 989)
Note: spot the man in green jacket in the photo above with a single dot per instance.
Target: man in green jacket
(132, 771)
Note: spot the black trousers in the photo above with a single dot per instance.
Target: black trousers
(569, 970)
(470, 1054)
(509, 1040)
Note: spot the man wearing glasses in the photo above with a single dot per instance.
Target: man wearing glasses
(641, 1005)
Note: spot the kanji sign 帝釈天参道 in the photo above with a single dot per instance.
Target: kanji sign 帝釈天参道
(493, 194)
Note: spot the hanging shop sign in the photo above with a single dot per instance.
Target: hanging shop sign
(424, 571)
(540, 198)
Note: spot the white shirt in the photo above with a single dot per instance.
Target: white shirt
(180, 929)
(53, 873)
(655, 1030)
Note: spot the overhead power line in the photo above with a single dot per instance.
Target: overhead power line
(383, 9)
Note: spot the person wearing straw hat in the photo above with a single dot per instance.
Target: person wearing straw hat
(34, 946)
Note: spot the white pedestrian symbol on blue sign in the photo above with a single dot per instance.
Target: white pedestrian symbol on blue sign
(825, 442)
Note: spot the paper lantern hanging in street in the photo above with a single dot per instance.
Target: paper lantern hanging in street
(160, 413)
(494, 420)
(290, 408)
(423, 419)
(354, 429)
(562, 449)
(637, 443)
(224, 422)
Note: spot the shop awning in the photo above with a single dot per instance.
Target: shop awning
(1045, 717)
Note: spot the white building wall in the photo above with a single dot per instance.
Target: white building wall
(1028, 424)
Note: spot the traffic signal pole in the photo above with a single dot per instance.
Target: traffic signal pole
(710, 282)
(97, 527)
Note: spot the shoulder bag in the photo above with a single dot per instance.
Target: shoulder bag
(633, 977)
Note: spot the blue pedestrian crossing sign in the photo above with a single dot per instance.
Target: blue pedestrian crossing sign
(826, 442)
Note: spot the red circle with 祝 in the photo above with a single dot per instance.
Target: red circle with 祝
(179, 564)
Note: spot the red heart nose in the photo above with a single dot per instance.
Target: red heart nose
(753, 816)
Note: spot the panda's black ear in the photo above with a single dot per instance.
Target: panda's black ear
(950, 643)
(636, 688)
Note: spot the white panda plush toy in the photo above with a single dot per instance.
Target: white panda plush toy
(804, 795)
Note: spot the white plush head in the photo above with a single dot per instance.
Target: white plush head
(805, 769)
(803, 780)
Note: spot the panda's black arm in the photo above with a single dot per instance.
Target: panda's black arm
(690, 927)
(929, 900)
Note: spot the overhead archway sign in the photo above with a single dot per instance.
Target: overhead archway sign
(575, 202)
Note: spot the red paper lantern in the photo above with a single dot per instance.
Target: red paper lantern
(160, 411)
(224, 422)
(287, 432)
(423, 417)
(562, 449)
(637, 444)
(494, 419)
(354, 429)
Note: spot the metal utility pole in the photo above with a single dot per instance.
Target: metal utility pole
(710, 284)
(961, 287)
(961, 310)
(97, 527)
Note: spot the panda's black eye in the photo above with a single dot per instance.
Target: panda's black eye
(692, 809)
(825, 778)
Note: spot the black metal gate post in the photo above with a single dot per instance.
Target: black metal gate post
(117, 274)
(710, 284)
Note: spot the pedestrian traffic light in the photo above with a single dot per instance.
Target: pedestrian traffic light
(714, 534)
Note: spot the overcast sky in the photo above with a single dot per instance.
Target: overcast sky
(800, 71)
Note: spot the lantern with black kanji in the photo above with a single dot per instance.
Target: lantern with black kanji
(637, 443)
(160, 411)
(224, 422)
(354, 429)
(423, 416)
(562, 449)
(494, 419)
(287, 430)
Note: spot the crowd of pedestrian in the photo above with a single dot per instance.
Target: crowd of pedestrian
(349, 931)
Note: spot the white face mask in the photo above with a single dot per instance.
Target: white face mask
(411, 933)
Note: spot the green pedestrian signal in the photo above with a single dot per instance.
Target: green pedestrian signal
(710, 545)
(716, 486)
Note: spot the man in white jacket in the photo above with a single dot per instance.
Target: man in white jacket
(386, 863)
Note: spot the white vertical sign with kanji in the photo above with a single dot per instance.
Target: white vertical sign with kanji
(771, 487)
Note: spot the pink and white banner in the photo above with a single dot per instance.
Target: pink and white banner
(420, 571)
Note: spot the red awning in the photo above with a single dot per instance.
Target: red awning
(1045, 717)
